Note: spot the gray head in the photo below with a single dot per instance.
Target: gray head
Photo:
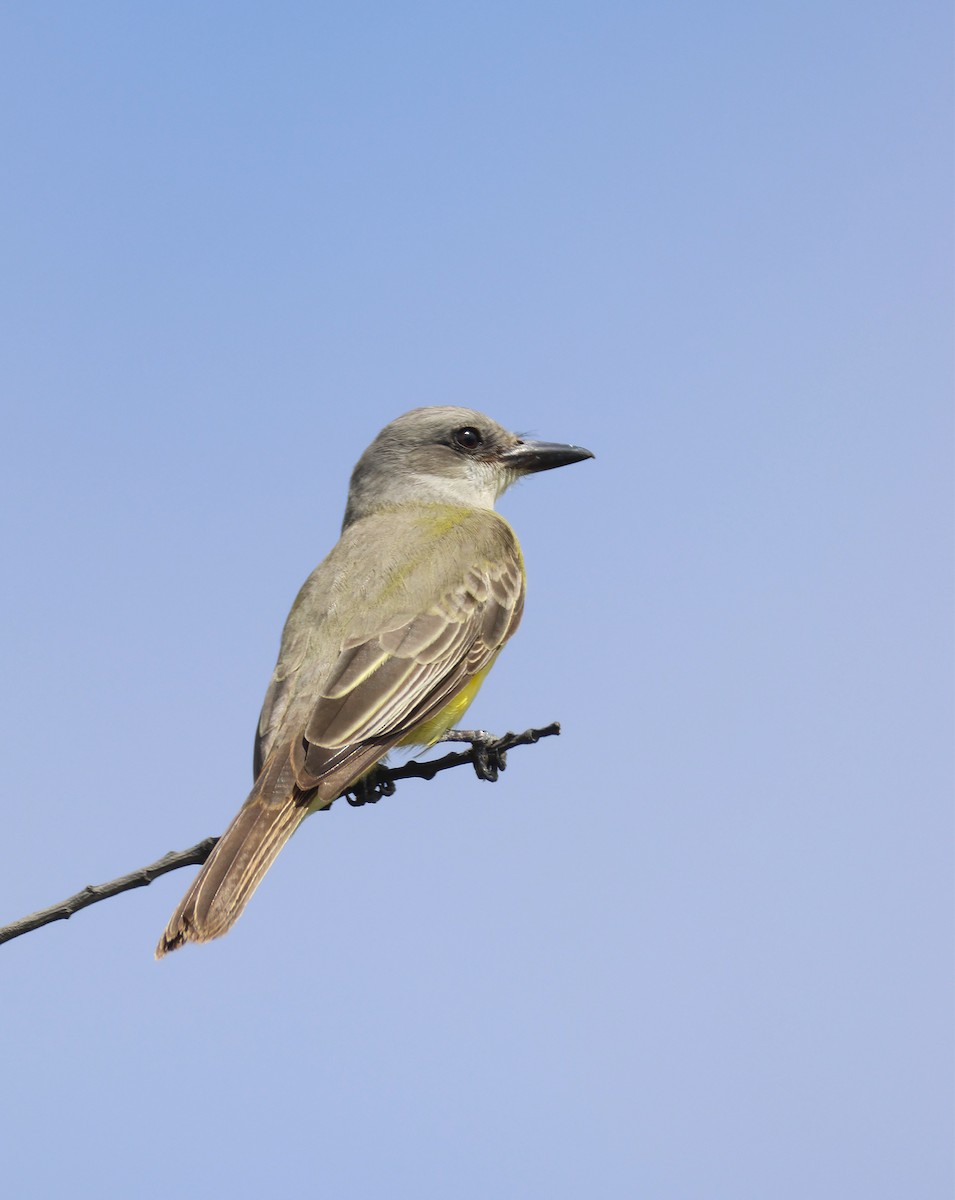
(448, 456)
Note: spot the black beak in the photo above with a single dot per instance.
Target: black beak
(528, 456)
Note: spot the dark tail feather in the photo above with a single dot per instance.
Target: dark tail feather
(274, 810)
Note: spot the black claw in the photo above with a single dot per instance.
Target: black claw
(489, 761)
(487, 757)
(370, 788)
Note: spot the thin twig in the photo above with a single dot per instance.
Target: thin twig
(487, 754)
(94, 892)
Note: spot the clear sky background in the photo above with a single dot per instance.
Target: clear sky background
(700, 946)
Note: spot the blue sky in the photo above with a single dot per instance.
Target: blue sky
(699, 946)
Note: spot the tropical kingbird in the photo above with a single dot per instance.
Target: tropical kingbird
(387, 642)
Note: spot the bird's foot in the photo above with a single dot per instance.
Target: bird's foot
(487, 757)
(370, 788)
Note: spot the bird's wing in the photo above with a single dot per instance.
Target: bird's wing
(381, 685)
(384, 686)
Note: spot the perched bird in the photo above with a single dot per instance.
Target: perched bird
(387, 642)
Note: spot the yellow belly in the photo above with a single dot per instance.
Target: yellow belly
(432, 730)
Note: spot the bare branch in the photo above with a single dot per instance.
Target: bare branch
(487, 754)
(95, 892)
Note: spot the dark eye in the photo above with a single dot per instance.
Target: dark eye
(468, 438)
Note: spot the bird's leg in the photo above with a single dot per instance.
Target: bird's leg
(487, 757)
(370, 788)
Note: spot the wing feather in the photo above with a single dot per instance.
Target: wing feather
(341, 714)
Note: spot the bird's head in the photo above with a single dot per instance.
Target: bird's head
(450, 456)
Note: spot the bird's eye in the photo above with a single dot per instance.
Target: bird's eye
(468, 438)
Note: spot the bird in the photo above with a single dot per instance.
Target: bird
(388, 640)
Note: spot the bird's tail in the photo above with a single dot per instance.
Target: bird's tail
(274, 810)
